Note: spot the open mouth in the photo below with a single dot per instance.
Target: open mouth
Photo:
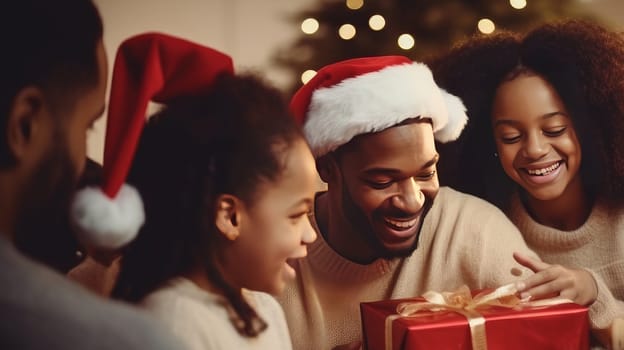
(544, 175)
(401, 225)
(544, 171)
(400, 231)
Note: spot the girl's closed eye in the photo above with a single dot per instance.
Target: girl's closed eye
(556, 131)
(299, 215)
(510, 138)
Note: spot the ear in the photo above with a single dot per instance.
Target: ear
(26, 110)
(227, 218)
(327, 168)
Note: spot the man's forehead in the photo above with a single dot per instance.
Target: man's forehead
(396, 147)
(415, 135)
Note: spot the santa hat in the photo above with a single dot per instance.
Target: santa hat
(154, 67)
(370, 94)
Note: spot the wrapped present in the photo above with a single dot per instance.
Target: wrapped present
(491, 320)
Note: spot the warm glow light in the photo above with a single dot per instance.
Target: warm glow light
(346, 31)
(307, 75)
(355, 4)
(517, 4)
(377, 22)
(406, 41)
(486, 26)
(309, 26)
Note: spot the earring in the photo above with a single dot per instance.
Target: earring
(495, 154)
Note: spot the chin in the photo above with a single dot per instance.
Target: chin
(546, 194)
(402, 251)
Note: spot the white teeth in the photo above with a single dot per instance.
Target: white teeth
(401, 224)
(544, 171)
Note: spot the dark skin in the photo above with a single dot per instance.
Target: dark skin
(532, 132)
(385, 180)
(33, 129)
(391, 175)
(386, 175)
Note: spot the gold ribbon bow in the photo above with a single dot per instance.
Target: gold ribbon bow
(461, 301)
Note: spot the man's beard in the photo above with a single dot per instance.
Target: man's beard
(364, 227)
(42, 229)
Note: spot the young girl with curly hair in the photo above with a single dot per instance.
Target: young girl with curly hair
(226, 179)
(545, 143)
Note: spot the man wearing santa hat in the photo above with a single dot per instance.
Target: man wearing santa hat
(386, 228)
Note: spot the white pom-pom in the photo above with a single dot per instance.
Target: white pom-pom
(457, 118)
(102, 222)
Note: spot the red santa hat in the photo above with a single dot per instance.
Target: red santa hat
(370, 94)
(148, 67)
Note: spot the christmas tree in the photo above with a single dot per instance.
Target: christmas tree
(339, 29)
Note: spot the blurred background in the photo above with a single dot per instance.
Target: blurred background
(286, 41)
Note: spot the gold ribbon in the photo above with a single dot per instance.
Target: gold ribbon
(461, 301)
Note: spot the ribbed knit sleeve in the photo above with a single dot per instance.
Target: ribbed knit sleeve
(607, 307)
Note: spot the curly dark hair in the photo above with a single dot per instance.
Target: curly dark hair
(197, 148)
(584, 63)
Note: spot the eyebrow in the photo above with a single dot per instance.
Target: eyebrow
(380, 170)
(543, 117)
(306, 201)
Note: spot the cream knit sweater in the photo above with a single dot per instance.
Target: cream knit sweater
(598, 245)
(464, 240)
(202, 319)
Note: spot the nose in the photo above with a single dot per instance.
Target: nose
(535, 146)
(410, 198)
(309, 234)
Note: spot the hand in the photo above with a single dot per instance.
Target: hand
(356, 345)
(556, 280)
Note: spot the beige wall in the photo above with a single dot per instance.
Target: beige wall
(248, 30)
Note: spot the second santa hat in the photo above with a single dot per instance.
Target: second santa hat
(370, 94)
(148, 67)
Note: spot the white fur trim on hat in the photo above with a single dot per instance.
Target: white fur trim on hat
(457, 118)
(375, 101)
(104, 222)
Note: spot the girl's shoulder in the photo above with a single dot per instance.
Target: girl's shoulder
(181, 296)
(262, 302)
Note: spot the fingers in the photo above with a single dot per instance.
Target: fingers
(544, 283)
(548, 290)
(532, 263)
(556, 280)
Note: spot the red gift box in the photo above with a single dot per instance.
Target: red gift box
(562, 326)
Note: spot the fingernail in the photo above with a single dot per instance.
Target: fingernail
(525, 295)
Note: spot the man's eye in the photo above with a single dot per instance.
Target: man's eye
(427, 176)
(379, 185)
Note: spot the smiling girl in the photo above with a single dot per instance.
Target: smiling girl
(227, 181)
(546, 144)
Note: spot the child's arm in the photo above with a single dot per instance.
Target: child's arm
(606, 312)
(577, 285)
